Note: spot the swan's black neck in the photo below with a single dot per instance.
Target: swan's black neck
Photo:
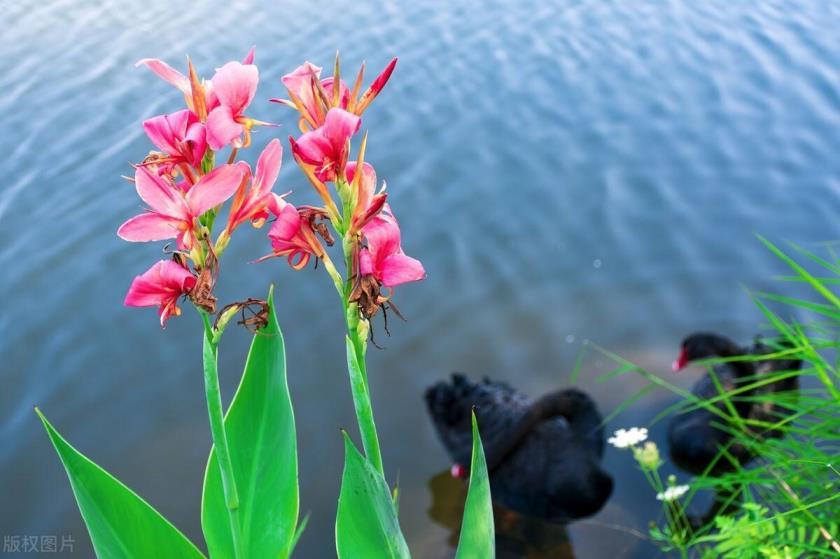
(562, 403)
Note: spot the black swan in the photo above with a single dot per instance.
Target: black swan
(542, 455)
(694, 439)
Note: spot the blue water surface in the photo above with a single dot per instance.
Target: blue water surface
(566, 170)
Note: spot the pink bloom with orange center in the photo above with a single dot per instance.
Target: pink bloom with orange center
(326, 147)
(173, 214)
(254, 204)
(383, 257)
(161, 286)
(234, 86)
(179, 135)
(292, 236)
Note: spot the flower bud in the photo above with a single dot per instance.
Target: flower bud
(647, 456)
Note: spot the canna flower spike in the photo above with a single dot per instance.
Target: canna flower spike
(173, 214)
(161, 286)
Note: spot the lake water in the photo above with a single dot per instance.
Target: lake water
(567, 171)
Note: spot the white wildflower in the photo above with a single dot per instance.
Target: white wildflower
(628, 437)
(672, 493)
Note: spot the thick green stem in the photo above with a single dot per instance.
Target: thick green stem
(356, 340)
(361, 401)
(217, 431)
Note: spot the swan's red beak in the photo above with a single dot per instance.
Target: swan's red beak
(681, 361)
(458, 471)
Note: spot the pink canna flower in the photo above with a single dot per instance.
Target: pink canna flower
(383, 257)
(179, 135)
(160, 286)
(255, 203)
(305, 96)
(234, 86)
(198, 95)
(292, 235)
(173, 214)
(326, 147)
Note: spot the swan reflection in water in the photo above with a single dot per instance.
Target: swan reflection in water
(517, 536)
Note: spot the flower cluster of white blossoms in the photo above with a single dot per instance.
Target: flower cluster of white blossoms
(672, 493)
(624, 438)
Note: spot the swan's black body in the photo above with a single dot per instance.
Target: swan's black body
(693, 437)
(543, 455)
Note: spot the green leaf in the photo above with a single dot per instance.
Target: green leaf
(477, 539)
(120, 523)
(366, 525)
(260, 427)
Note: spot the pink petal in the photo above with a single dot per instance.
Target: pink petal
(299, 83)
(175, 277)
(214, 188)
(276, 203)
(235, 85)
(382, 78)
(161, 196)
(249, 58)
(160, 286)
(339, 126)
(313, 147)
(344, 91)
(399, 268)
(196, 140)
(367, 182)
(159, 283)
(166, 130)
(286, 226)
(268, 166)
(149, 227)
(365, 262)
(222, 129)
(299, 79)
(167, 72)
(383, 238)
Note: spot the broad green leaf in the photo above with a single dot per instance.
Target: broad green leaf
(477, 539)
(120, 523)
(366, 526)
(260, 428)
